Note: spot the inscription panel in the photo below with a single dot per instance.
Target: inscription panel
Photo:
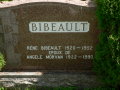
(51, 37)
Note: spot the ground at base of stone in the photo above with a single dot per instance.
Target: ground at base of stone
(22, 87)
(50, 80)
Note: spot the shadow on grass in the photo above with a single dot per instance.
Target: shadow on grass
(53, 88)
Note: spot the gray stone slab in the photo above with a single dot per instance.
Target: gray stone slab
(48, 79)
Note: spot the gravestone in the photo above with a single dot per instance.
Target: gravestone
(48, 36)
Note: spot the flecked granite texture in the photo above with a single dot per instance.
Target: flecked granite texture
(12, 79)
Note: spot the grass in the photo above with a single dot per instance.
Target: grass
(55, 88)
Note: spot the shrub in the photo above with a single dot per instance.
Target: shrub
(2, 61)
(107, 56)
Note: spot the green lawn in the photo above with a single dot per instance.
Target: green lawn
(54, 88)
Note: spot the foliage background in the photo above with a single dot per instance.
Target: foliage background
(107, 56)
(2, 61)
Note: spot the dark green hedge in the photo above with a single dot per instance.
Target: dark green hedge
(107, 56)
(2, 61)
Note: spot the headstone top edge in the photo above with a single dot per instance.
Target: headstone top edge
(8, 4)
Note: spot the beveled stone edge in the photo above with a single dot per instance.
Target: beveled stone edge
(20, 73)
(39, 74)
(87, 3)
